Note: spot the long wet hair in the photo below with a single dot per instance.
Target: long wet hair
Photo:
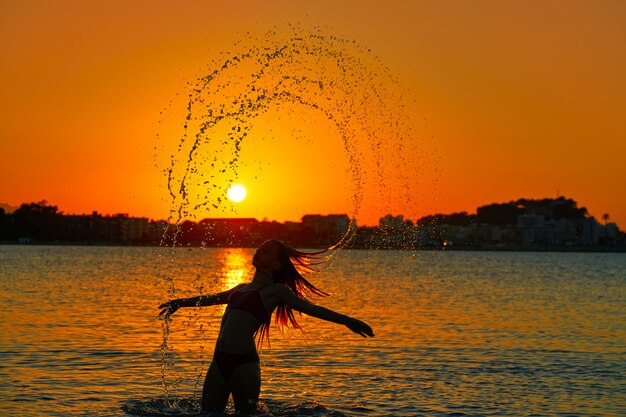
(293, 265)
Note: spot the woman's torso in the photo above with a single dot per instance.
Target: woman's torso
(249, 306)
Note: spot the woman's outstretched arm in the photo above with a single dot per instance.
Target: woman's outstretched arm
(171, 306)
(286, 296)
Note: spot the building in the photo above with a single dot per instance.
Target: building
(327, 229)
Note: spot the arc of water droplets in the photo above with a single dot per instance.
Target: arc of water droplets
(316, 71)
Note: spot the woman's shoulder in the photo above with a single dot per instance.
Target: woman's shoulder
(283, 293)
(275, 288)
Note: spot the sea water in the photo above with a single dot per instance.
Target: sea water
(457, 334)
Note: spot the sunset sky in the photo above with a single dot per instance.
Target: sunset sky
(510, 100)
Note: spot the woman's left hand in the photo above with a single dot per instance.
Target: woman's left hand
(359, 327)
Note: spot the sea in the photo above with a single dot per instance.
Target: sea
(456, 334)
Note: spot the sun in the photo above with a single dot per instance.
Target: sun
(236, 193)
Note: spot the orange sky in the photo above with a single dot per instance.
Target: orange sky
(513, 99)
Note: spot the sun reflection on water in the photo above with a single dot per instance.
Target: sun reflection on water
(236, 267)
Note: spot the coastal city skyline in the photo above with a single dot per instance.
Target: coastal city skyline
(545, 224)
(604, 216)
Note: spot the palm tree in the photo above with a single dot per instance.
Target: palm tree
(606, 218)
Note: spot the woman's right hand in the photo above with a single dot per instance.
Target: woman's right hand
(169, 308)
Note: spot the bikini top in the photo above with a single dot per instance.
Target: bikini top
(249, 301)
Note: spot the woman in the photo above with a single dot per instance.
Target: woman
(278, 285)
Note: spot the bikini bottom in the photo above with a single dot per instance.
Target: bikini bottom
(228, 362)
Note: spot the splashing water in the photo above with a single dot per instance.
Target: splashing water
(316, 83)
(189, 407)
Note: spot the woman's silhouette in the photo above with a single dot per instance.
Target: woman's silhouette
(278, 285)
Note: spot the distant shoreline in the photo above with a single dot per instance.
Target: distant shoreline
(613, 249)
(571, 249)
